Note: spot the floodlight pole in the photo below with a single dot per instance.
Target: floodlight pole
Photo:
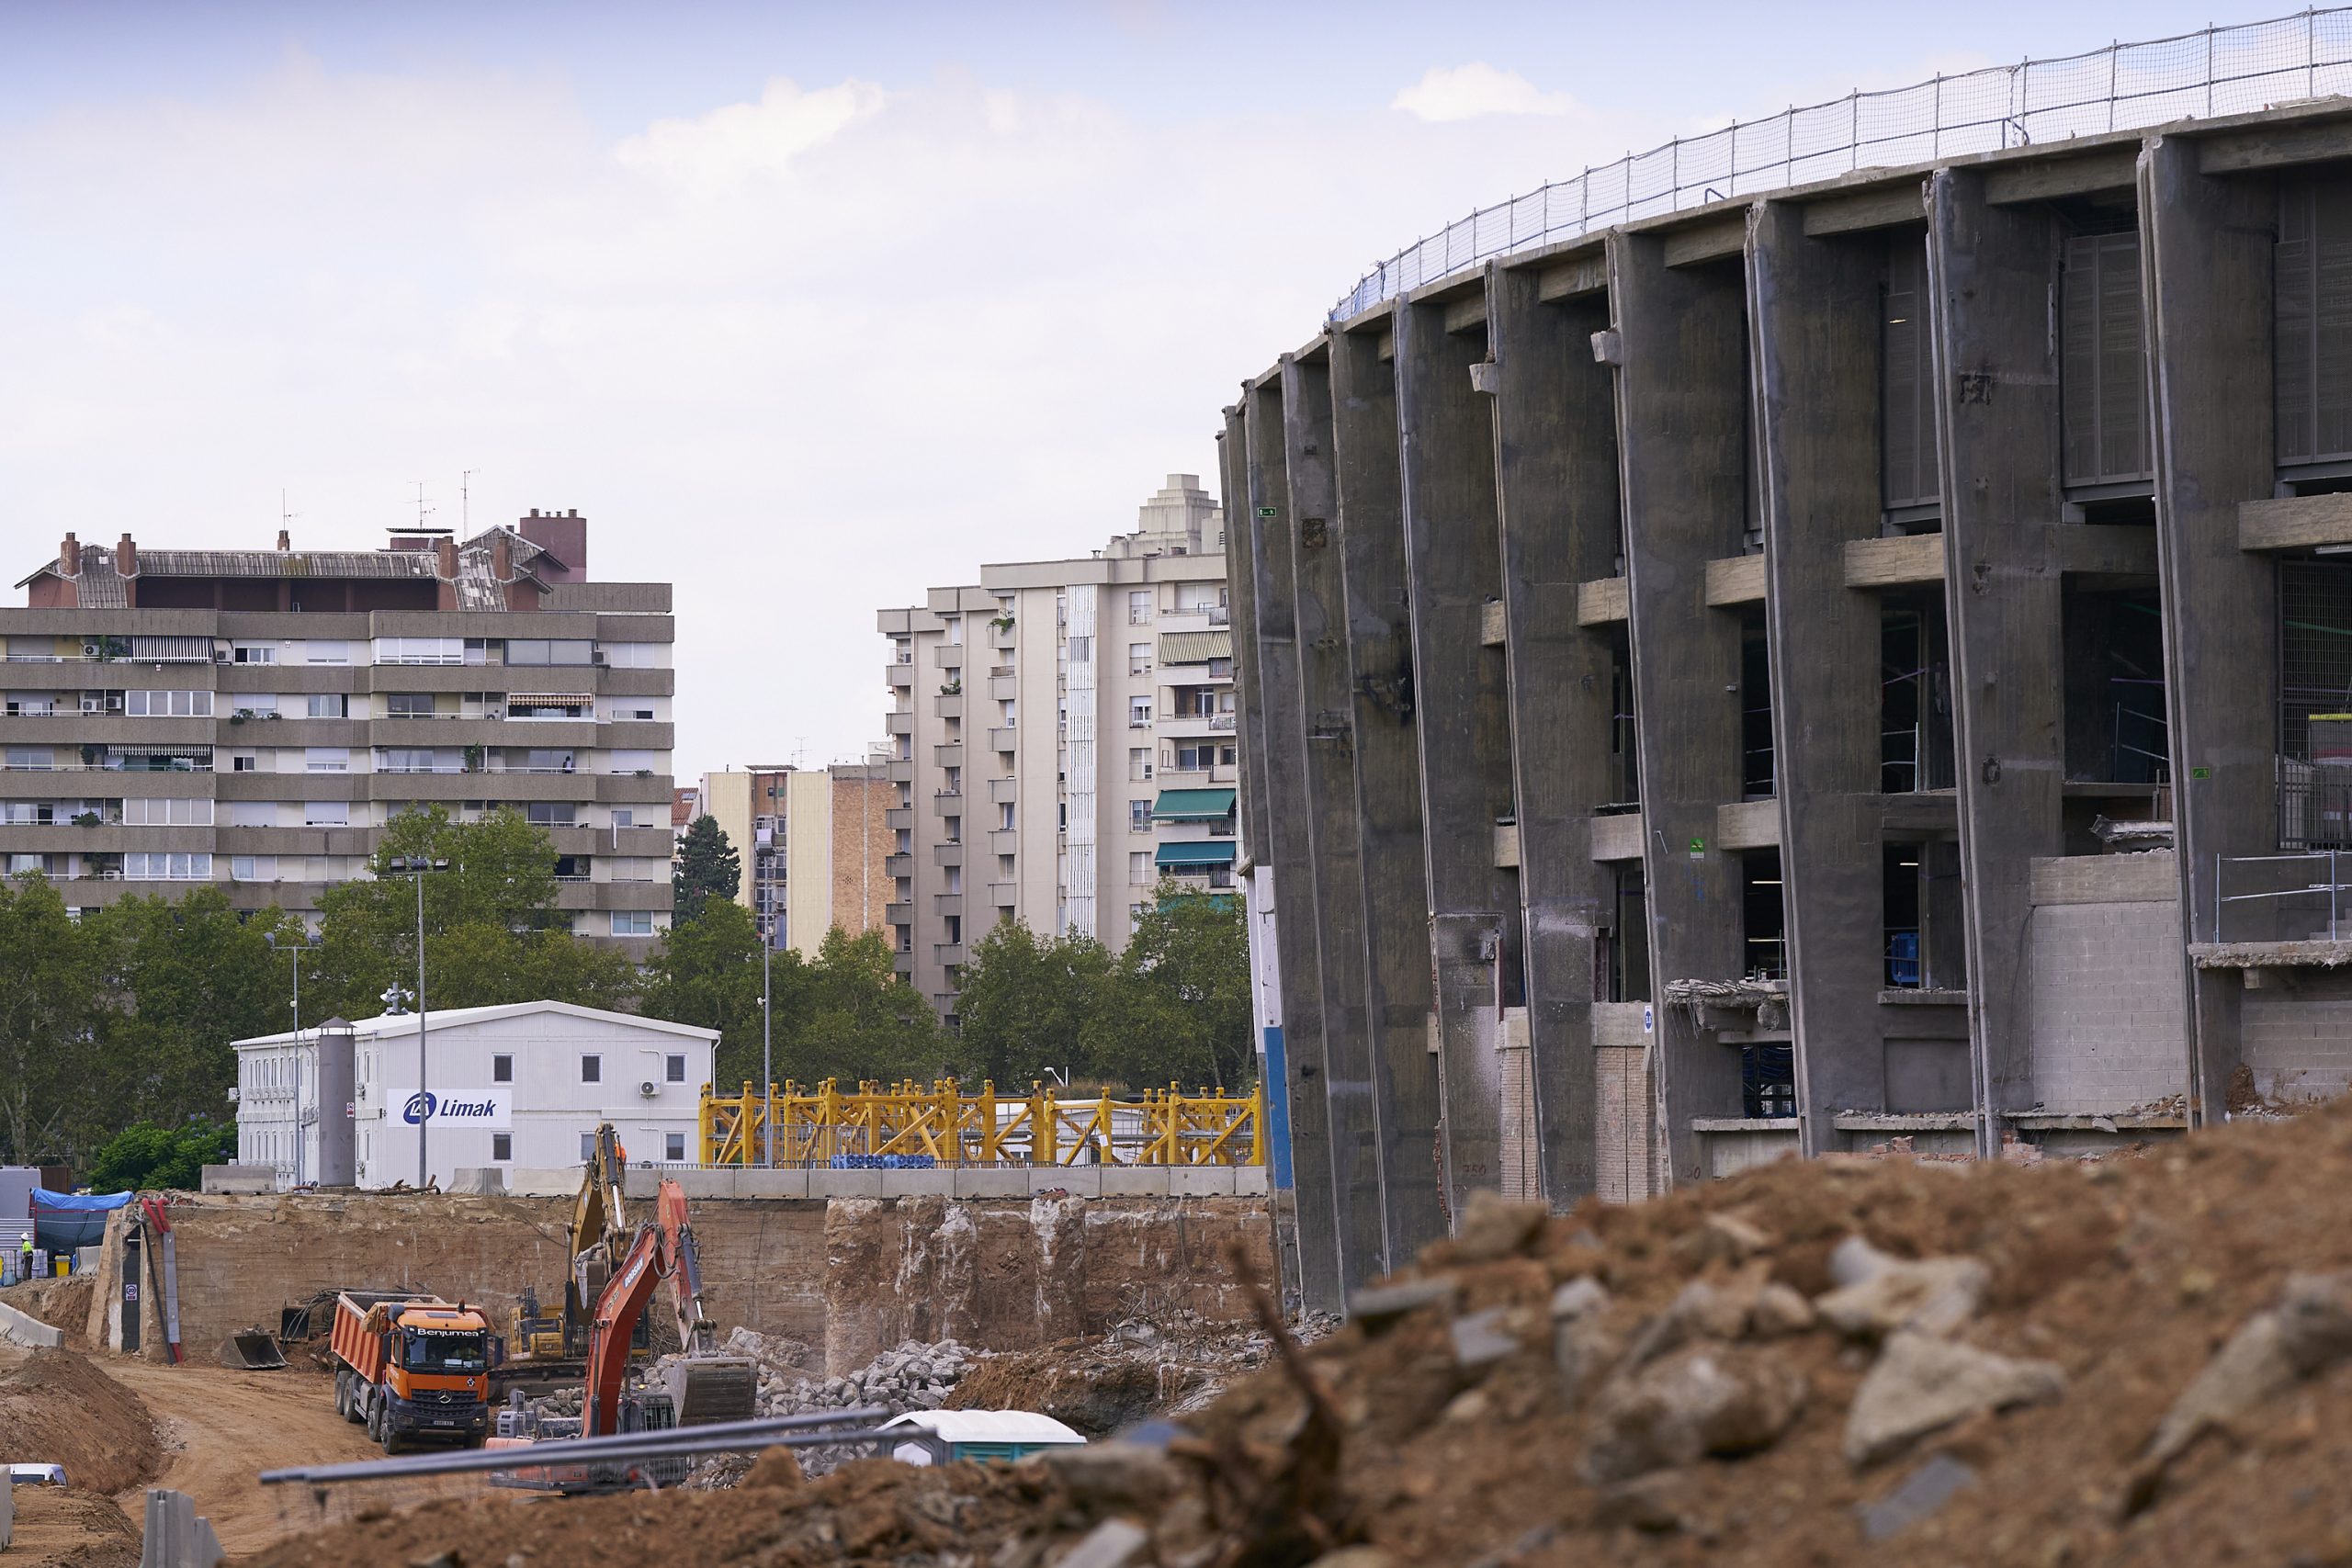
(767, 1043)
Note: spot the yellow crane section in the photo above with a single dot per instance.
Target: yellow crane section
(952, 1126)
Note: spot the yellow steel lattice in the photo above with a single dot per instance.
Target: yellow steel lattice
(954, 1127)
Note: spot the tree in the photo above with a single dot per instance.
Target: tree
(863, 1021)
(49, 1010)
(1179, 1009)
(158, 1158)
(708, 868)
(493, 932)
(706, 972)
(187, 977)
(1025, 1002)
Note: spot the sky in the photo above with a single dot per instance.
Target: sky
(805, 308)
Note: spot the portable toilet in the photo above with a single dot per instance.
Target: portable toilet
(983, 1434)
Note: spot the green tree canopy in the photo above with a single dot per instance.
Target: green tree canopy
(1179, 1008)
(50, 1006)
(706, 972)
(708, 868)
(158, 1158)
(1026, 1001)
(863, 1020)
(492, 931)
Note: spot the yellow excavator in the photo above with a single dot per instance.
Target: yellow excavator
(704, 1386)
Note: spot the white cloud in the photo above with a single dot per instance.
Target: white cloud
(1472, 91)
(740, 141)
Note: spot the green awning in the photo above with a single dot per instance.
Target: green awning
(1204, 852)
(1193, 806)
(1195, 648)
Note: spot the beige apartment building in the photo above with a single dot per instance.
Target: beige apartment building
(254, 718)
(1063, 737)
(813, 843)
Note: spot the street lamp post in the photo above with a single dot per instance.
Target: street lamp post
(416, 866)
(768, 1041)
(308, 943)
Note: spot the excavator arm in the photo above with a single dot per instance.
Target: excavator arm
(696, 1334)
(600, 1233)
(704, 1386)
(608, 1331)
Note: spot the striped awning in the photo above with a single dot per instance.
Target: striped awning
(1201, 852)
(1193, 806)
(550, 700)
(1195, 648)
(171, 649)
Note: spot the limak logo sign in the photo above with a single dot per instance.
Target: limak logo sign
(488, 1110)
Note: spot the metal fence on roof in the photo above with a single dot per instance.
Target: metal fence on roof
(2220, 71)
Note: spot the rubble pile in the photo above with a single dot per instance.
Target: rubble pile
(2137, 1362)
(1141, 1368)
(914, 1376)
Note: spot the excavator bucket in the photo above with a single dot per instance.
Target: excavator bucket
(251, 1351)
(704, 1388)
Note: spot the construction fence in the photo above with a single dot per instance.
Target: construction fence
(2220, 71)
(907, 1125)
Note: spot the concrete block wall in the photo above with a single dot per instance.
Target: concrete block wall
(2296, 1034)
(2106, 1011)
(1626, 1137)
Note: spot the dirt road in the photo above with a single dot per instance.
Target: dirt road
(220, 1428)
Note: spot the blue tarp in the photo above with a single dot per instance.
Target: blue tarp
(64, 1221)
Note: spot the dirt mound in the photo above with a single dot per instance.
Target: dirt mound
(1101, 1386)
(2141, 1361)
(66, 1529)
(59, 1409)
(60, 1302)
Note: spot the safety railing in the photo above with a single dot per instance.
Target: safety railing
(2283, 897)
(946, 1124)
(2219, 71)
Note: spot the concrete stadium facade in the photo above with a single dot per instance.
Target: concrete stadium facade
(1849, 664)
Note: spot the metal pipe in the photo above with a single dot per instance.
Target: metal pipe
(799, 1431)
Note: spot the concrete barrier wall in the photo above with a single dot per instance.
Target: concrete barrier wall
(853, 1273)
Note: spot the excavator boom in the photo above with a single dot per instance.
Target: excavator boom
(702, 1386)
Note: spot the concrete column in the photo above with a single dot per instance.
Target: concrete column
(1233, 463)
(1400, 995)
(2207, 253)
(1993, 272)
(1453, 565)
(1330, 822)
(1283, 775)
(1682, 421)
(1813, 310)
(1556, 476)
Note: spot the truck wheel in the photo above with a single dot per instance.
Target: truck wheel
(392, 1439)
(343, 1393)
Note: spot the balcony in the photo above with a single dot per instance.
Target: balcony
(899, 674)
(1003, 740)
(947, 953)
(947, 803)
(947, 904)
(898, 865)
(1003, 840)
(899, 818)
(948, 704)
(1002, 894)
(898, 914)
(903, 963)
(950, 656)
(902, 769)
(900, 721)
(1001, 791)
(947, 854)
(949, 754)
(1003, 688)
(1001, 633)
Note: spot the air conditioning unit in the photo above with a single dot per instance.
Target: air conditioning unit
(596, 656)
(114, 704)
(92, 649)
(647, 1088)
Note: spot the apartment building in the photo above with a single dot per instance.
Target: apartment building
(813, 844)
(1063, 736)
(254, 718)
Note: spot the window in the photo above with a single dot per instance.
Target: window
(253, 814)
(417, 650)
(673, 1067)
(252, 868)
(1138, 659)
(501, 1068)
(255, 705)
(1140, 608)
(1004, 814)
(630, 762)
(551, 813)
(326, 814)
(1138, 816)
(560, 650)
(408, 705)
(244, 763)
(674, 1147)
(33, 758)
(502, 1145)
(624, 817)
(185, 813)
(1139, 762)
(1081, 650)
(591, 1070)
(1138, 712)
(632, 922)
(256, 654)
(167, 704)
(326, 760)
(1140, 868)
(142, 866)
(587, 1147)
(329, 704)
(640, 655)
(328, 652)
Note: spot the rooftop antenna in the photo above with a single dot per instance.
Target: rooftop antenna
(424, 509)
(800, 752)
(285, 517)
(466, 499)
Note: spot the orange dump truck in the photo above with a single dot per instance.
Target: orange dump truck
(412, 1367)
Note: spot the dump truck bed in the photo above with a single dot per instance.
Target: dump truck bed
(360, 1319)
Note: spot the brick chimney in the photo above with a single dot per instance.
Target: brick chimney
(502, 556)
(445, 559)
(285, 541)
(564, 536)
(125, 558)
(68, 557)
